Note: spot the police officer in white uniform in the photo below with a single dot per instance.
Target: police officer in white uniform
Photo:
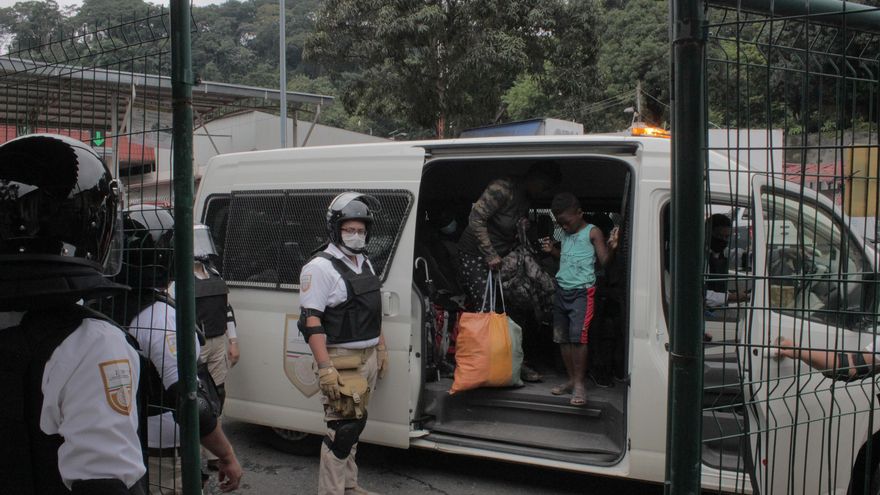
(150, 317)
(70, 416)
(341, 318)
(215, 317)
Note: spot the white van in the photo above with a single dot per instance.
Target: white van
(769, 424)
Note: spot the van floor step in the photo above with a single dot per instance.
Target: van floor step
(563, 407)
(536, 395)
(531, 436)
(587, 458)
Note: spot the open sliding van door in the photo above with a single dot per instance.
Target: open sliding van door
(813, 288)
(277, 201)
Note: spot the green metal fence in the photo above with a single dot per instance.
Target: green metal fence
(775, 139)
(105, 82)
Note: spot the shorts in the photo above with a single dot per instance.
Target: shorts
(573, 311)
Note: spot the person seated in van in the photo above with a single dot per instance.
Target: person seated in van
(718, 229)
(439, 254)
(581, 246)
(492, 230)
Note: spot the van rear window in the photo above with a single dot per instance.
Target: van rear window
(270, 234)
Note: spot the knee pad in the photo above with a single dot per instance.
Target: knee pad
(348, 431)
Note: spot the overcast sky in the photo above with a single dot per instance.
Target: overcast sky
(65, 3)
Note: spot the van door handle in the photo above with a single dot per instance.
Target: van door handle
(390, 304)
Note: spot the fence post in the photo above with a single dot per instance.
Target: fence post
(684, 404)
(182, 159)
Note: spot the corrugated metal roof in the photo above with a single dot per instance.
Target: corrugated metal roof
(68, 96)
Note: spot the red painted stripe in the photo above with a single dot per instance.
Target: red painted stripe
(588, 316)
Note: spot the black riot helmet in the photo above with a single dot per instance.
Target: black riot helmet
(59, 221)
(148, 248)
(58, 202)
(350, 206)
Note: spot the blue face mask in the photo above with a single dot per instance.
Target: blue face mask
(449, 229)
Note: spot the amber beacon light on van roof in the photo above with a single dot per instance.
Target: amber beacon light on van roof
(648, 131)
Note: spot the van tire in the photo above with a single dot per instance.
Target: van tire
(295, 442)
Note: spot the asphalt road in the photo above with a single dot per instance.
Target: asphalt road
(394, 471)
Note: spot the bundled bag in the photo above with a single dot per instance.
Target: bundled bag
(488, 346)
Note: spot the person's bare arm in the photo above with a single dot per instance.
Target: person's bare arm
(230, 470)
(604, 250)
(844, 365)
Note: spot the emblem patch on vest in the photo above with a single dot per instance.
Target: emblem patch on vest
(118, 385)
(305, 283)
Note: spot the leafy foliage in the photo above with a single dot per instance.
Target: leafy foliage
(419, 68)
(441, 64)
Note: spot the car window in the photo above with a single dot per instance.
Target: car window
(815, 269)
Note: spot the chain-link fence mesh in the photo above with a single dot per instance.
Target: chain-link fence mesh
(107, 83)
(790, 227)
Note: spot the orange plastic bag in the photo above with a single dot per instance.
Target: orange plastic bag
(488, 352)
(483, 356)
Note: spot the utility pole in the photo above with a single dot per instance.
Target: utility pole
(282, 69)
(639, 100)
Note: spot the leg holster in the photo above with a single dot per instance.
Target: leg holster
(354, 393)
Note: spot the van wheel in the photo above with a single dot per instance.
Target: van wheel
(295, 442)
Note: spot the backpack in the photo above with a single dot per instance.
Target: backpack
(24, 351)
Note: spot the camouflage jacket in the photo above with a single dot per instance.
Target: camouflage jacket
(492, 225)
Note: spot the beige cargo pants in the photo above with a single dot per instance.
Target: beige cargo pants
(337, 476)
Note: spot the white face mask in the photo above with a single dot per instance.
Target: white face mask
(449, 229)
(354, 241)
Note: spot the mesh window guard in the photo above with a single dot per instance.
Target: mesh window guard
(270, 235)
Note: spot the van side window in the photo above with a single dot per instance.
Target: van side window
(728, 271)
(215, 216)
(271, 234)
(815, 270)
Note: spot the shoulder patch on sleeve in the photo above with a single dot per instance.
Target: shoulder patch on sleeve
(171, 343)
(305, 282)
(117, 385)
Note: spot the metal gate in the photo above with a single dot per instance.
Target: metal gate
(106, 83)
(775, 139)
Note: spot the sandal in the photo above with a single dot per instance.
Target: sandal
(529, 375)
(562, 389)
(579, 398)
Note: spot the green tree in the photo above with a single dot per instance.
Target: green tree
(437, 64)
(28, 25)
(635, 47)
(525, 99)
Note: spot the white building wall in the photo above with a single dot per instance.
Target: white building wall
(759, 149)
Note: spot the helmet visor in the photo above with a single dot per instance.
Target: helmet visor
(113, 262)
(203, 243)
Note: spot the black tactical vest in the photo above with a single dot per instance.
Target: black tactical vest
(211, 302)
(359, 317)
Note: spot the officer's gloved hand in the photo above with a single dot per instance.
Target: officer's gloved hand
(382, 358)
(329, 381)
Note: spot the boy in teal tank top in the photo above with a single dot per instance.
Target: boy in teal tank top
(574, 302)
